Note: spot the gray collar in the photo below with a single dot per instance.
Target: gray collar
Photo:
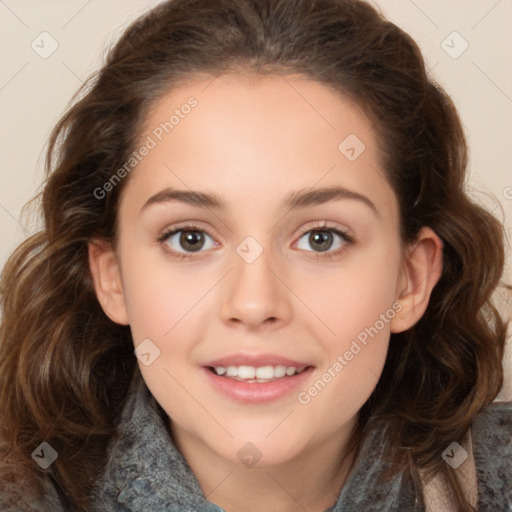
(147, 472)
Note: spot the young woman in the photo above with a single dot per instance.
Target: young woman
(260, 283)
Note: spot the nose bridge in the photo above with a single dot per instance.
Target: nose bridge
(255, 295)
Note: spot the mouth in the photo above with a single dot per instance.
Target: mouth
(259, 374)
(256, 383)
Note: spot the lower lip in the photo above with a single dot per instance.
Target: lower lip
(257, 392)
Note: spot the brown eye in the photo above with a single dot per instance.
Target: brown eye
(322, 240)
(184, 241)
(329, 241)
(191, 240)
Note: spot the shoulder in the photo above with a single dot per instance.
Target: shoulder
(492, 449)
(17, 498)
(492, 429)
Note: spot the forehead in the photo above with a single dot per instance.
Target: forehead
(253, 138)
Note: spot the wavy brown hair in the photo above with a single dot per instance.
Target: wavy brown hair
(65, 367)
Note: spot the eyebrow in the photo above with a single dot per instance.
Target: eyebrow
(298, 199)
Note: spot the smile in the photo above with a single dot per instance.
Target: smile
(257, 374)
(256, 384)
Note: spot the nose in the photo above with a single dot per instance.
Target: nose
(255, 297)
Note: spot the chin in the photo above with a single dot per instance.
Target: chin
(259, 450)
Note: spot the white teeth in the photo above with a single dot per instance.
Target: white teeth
(232, 371)
(263, 372)
(260, 373)
(280, 371)
(247, 372)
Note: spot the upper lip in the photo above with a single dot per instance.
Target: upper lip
(255, 360)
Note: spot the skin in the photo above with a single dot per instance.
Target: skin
(253, 141)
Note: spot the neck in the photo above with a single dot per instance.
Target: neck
(310, 481)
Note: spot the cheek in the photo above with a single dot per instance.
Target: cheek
(354, 296)
(356, 307)
(157, 293)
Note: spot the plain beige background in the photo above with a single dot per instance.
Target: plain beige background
(467, 46)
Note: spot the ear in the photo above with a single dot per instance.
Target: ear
(106, 276)
(421, 270)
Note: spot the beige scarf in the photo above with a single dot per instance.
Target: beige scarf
(438, 497)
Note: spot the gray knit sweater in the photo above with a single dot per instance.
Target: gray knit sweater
(146, 472)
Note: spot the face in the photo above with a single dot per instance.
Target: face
(260, 264)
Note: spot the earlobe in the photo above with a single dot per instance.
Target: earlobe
(106, 276)
(421, 270)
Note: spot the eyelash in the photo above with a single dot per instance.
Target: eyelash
(317, 255)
